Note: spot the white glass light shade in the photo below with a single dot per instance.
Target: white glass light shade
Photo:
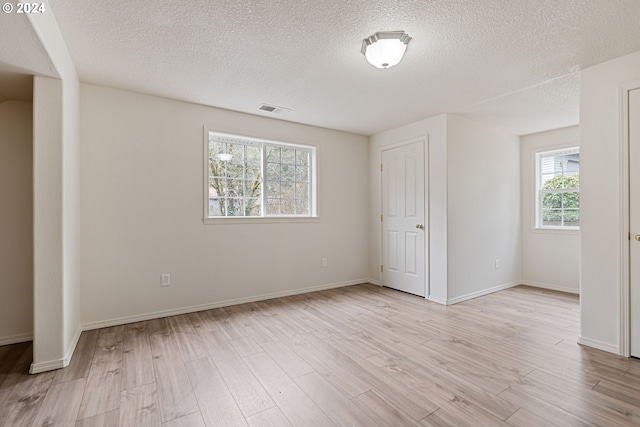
(385, 49)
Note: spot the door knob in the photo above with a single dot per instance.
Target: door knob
(637, 237)
(421, 227)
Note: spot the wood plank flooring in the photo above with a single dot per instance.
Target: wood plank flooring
(355, 356)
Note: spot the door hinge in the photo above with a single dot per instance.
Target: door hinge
(381, 269)
(380, 167)
(381, 218)
(629, 237)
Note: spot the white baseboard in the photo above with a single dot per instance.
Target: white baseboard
(15, 339)
(51, 365)
(482, 292)
(373, 282)
(194, 308)
(611, 348)
(551, 287)
(72, 346)
(437, 300)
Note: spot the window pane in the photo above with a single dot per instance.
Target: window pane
(302, 157)
(302, 191)
(571, 200)
(254, 154)
(273, 189)
(571, 218)
(273, 206)
(551, 200)
(302, 207)
(552, 217)
(254, 170)
(216, 186)
(558, 195)
(287, 207)
(571, 163)
(234, 188)
(234, 170)
(235, 207)
(555, 171)
(214, 206)
(237, 151)
(220, 185)
(252, 188)
(216, 147)
(273, 154)
(572, 181)
(289, 156)
(216, 167)
(288, 173)
(252, 178)
(252, 207)
(287, 190)
(273, 172)
(302, 174)
(553, 181)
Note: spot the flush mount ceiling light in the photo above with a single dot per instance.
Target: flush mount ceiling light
(384, 49)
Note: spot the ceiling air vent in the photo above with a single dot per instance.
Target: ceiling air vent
(273, 109)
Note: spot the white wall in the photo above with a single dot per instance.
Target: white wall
(434, 130)
(47, 227)
(462, 248)
(142, 203)
(71, 215)
(601, 200)
(483, 176)
(16, 222)
(56, 204)
(550, 258)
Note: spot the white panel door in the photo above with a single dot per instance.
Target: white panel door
(403, 218)
(634, 219)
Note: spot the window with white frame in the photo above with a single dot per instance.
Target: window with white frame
(249, 177)
(558, 189)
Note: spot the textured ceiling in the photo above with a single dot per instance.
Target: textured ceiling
(20, 49)
(21, 56)
(512, 63)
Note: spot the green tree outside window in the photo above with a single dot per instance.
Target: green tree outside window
(561, 201)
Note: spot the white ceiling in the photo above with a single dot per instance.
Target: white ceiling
(20, 48)
(512, 63)
(21, 56)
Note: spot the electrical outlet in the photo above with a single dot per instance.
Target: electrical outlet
(324, 262)
(165, 279)
(497, 264)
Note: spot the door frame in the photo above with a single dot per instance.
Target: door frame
(425, 141)
(625, 228)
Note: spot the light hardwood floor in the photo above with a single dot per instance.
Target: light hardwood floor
(360, 355)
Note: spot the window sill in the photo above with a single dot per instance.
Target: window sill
(260, 220)
(574, 231)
